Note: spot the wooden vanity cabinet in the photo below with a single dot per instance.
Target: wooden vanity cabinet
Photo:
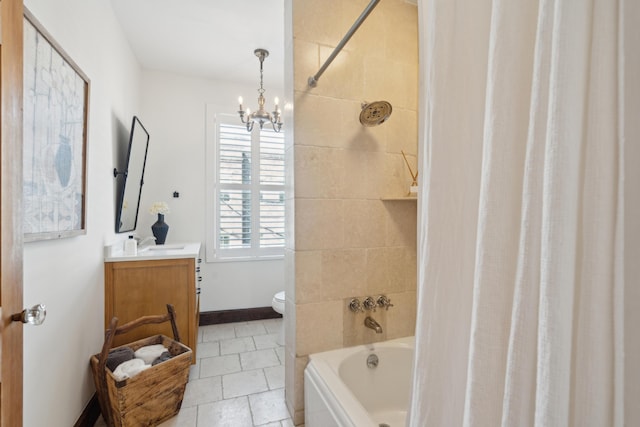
(139, 288)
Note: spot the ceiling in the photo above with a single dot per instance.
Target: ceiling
(212, 39)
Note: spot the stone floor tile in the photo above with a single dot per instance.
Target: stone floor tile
(266, 341)
(268, 407)
(258, 359)
(275, 376)
(208, 349)
(272, 325)
(244, 383)
(225, 413)
(203, 390)
(218, 332)
(237, 345)
(250, 329)
(221, 365)
(280, 352)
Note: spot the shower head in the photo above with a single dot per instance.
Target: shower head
(375, 113)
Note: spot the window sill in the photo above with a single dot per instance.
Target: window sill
(215, 260)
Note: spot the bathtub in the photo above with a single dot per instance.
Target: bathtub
(341, 390)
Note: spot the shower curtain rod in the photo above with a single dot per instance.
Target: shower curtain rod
(313, 80)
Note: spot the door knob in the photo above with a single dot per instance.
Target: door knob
(33, 316)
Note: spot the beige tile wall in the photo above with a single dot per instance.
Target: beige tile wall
(348, 242)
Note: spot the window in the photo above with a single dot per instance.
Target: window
(248, 192)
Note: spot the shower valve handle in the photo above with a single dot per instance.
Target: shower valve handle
(369, 304)
(384, 301)
(355, 306)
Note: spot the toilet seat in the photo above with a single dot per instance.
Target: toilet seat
(278, 302)
(279, 296)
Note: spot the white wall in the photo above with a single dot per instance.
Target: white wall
(67, 274)
(173, 111)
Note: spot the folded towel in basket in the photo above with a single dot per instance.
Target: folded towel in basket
(129, 369)
(149, 353)
(162, 358)
(117, 356)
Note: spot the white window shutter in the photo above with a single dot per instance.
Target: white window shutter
(250, 218)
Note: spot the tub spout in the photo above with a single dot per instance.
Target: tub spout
(372, 324)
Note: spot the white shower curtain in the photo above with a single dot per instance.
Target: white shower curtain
(521, 236)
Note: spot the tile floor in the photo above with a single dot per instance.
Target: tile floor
(238, 380)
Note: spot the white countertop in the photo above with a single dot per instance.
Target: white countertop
(115, 253)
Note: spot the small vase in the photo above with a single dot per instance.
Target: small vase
(160, 230)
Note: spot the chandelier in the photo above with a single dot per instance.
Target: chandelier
(261, 116)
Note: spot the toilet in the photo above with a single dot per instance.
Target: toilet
(278, 306)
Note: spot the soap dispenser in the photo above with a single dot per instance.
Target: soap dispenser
(130, 246)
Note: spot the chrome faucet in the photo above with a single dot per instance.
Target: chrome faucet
(372, 324)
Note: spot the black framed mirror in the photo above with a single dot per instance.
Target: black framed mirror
(132, 178)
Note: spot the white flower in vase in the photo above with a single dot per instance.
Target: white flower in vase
(159, 208)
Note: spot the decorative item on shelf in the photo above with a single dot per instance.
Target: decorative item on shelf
(261, 115)
(413, 189)
(159, 228)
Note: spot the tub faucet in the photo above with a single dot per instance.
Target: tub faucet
(372, 324)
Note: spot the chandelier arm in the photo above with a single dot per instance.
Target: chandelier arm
(276, 126)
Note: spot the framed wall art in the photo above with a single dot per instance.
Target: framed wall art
(56, 103)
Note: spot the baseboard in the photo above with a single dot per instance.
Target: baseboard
(90, 414)
(239, 315)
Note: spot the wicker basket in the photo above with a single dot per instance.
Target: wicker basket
(155, 394)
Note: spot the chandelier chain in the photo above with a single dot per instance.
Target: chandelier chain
(261, 90)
